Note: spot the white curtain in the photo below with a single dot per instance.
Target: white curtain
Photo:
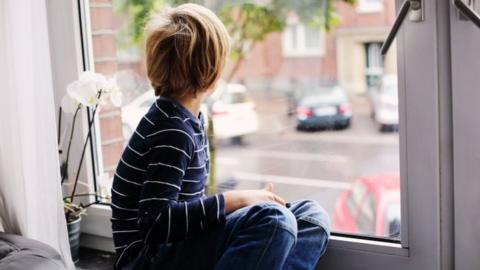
(30, 191)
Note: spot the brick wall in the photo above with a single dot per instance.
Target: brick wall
(267, 62)
(105, 60)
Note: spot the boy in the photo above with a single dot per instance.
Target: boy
(161, 217)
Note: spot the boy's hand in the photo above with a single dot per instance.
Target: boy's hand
(236, 199)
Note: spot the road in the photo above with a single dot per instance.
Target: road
(306, 165)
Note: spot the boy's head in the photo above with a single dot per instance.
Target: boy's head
(186, 49)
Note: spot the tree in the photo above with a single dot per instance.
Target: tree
(248, 22)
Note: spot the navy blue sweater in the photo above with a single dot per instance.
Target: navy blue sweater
(158, 191)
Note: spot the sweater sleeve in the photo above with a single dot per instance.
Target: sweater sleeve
(162, 218)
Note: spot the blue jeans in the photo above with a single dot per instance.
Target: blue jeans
(262, 236)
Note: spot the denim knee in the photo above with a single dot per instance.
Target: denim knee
(274, 213)
(312, 212)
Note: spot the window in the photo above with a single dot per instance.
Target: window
(272, 143)
(366, 6)
(327, 146)
(300, 40)
(374, 62)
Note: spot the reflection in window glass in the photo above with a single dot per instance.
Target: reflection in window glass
(322, 127)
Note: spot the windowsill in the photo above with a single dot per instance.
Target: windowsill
(97, 221)
(303, 54)
(340, 242)
(97, 234)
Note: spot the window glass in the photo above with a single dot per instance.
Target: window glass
(366, 216)
(370, 5)
(300, 40)
(312, 38)
(315, 112)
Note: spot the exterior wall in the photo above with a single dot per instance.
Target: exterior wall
(344, 61)
(105, 62)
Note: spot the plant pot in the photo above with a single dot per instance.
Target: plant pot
(73, 228)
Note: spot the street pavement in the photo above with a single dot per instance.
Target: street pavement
(316, 165)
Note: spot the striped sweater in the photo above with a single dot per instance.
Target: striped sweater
(158, 191)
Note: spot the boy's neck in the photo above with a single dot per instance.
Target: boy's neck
(193, 104)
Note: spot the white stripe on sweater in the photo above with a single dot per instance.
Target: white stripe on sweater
(169, 219)
(191, 181)
(128, 181)
(196, 168)
(168, 116)
(201, 149)
(123, 208)
(136, 152)
(119, 193)
(151, 227)
(203, 208)
(167, 165)
(174, 130)
(131, 166)
(138, 133)
(218, 207)
(186, 216)
(173, 147)
(123, 252)
(154, 199)
(161, 183)
(192, 194)
(149, 121)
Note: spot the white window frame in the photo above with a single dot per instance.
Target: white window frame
(301, 50)
(426, 156)
(466, 134)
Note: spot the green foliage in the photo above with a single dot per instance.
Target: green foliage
(138, 12)
(247, 21)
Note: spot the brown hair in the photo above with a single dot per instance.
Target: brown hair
(186, 49)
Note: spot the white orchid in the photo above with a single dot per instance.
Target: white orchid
(110, 90)
(90, 90)
(86, 91)
(68, 104)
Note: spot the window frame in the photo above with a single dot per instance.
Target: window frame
(302, 50)
(465, 67)
(423, 106)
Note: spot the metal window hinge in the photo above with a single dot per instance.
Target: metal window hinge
(466, 9)
(415, 10)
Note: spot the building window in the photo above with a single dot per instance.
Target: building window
(366, 6)
(374, 62)
(300, 40)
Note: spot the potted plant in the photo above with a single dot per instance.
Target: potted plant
(90, 91)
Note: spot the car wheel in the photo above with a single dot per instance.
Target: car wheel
(383, 128)
(347, 124)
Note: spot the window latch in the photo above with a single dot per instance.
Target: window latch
(468, 11)
(415, 7)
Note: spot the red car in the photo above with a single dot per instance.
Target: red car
(371, 207)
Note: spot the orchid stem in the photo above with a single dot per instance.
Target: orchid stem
(89, 135)
(65, 170)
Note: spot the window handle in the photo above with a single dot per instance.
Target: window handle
(416, 15)
(467, 11)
